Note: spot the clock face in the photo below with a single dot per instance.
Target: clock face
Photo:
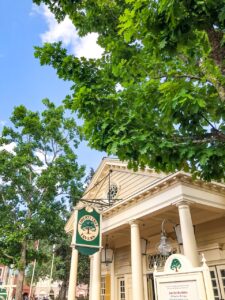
(88, 228)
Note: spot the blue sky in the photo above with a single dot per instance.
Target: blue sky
(22, 79)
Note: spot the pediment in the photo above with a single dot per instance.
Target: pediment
(114, 182)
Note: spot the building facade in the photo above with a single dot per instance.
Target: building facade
(147, 216)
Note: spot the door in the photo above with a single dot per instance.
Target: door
(150, 285)
(218, 281)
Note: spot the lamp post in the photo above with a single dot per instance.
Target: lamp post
(51, 292)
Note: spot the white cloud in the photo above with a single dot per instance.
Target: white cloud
(10, 147)
(66, 32)
(2, 123)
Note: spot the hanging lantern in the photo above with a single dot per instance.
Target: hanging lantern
(177, 230)
(164, 247)
(144, 243)
(106, 254)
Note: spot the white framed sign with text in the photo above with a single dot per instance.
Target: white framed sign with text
(180, 281)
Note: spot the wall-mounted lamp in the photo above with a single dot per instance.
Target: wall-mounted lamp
(106, 254)
(144, 243)
(177, 230)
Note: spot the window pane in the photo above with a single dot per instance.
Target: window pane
(102, 288)
(214, 283)
(122, 289)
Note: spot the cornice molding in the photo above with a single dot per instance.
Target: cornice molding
(161, 185)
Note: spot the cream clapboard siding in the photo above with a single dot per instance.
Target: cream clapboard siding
(122, 261)
(130, 183)
(210, 238)
(123, 269)
(128, 286)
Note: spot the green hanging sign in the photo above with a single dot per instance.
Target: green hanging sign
(88, 230)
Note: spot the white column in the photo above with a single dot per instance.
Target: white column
(136, 262)
(112, 280)
(96, 277)
(187, 232)
(73, 275)
(91, 277)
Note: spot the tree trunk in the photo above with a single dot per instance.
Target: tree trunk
(218, 50)
(63, 290)
(20, 278)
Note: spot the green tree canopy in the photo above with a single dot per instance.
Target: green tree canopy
(38, 177)
(156, 97)
(61, 265)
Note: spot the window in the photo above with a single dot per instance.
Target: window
(113, 190)
(1, 271)
(122, 289)
(218, 281)
(102, 288)
(159, 259)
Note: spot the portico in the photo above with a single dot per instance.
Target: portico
(145, 200)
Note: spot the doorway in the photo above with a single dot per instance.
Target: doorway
(151, 287)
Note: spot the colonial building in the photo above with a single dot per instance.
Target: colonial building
(45, 287)
(147, 216)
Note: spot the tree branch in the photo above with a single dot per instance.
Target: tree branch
(6, 255)
(218, 50)
(191, 77)
(213, 136)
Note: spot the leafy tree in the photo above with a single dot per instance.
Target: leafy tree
(61, 267)
(42, 267)
(89, 177)
(156, 97)
(38, 178)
